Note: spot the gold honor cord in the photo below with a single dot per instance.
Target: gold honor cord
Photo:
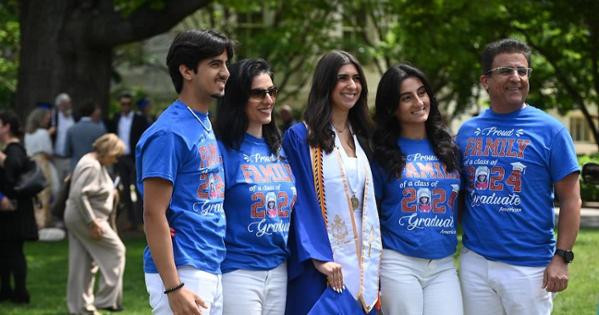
(318, 175)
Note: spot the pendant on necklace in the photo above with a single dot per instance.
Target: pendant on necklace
(354, 202)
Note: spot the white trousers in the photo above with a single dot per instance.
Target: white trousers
(253, 292)
(206, 285)
(417, 286)
(495, 288)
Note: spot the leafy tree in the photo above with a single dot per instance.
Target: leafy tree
(565, 35)
(9, 39)
(442, 38)
(290, 35)
(67, 45)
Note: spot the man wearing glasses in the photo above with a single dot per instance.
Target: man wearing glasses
(511, 262)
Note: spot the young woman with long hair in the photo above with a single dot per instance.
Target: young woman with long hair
(259, 193)
(416, 181)
(335, 236)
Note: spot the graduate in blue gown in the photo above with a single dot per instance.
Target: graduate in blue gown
(334, 238)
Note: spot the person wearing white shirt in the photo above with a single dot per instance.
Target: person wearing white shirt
(39, 147)
(129, 126)
(62, 120)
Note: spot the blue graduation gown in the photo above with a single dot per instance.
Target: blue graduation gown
(307, 291)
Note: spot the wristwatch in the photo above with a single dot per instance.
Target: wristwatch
(567, 255)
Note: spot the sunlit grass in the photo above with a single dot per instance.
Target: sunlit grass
(48, 276)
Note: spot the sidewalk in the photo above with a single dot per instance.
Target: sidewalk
(589, 217)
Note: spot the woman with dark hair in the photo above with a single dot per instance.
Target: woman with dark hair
(417, 181)
(259, 193)
(334, 239)
(17, 224)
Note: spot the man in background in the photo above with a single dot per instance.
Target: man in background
(129, 125)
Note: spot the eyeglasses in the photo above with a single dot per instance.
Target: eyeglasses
(507, 71)
(260, 94)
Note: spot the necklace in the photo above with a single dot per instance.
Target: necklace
(340, 131)
(209, 128)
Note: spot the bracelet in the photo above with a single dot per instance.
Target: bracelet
(167, 291)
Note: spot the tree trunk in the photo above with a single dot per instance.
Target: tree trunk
(55, 57)
(66, 46)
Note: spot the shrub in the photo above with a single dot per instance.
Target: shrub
(588, 192)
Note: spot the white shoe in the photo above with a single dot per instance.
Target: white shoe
(51, 234)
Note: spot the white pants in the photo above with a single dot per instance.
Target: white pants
(417, 286)
(495, 288)
(206, 285)
(252, 292)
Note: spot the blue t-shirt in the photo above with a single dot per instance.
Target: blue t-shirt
(510, 163)
(178, 149)
(418, 210)
(259, 196)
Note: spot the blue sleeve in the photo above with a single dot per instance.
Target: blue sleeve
(161, 156)
(563, 161)
(308, 238)
(1, 196)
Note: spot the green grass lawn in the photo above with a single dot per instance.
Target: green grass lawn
(48, 276)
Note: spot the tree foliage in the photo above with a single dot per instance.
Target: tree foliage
(290, 35)
(565, 35)
(67, 45)
(9, 51)
(442, 37)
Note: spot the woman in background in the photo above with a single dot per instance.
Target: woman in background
(417, 181)
(92, 240)
(259, 193)
(17, 222)
(39, 147)
(334, 239)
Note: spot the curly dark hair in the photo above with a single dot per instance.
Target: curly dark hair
(388, 129)
(231, 120)
(318, 110)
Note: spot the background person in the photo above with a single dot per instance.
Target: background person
(129, 125)
(335, 236)
(39, 147)
(146, 107)
(416, 179)
(259, 193)
(92, 239)
(62, 120)
(18, 225)
(511, 263)
(82, 135)
(287, 119)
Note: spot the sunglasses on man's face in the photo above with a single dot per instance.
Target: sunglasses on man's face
(260, 94)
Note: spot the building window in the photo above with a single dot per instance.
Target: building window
(579, 130)
(250, 24)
